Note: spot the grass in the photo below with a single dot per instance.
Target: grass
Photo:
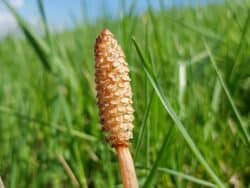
(190, 135)
(176, 120)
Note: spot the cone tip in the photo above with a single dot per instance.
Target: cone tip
(106, 32)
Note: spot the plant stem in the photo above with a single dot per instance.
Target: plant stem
(129, 179)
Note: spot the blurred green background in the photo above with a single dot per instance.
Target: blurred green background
(190, 71)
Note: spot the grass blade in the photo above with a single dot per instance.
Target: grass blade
(44, 20)
(187, 177)
(242, 127)
(242, 40)
(68, 170)
(202, 31)
(80, 167)
(143, 126)
(150, 179)
(182, 175)
(174, 117)
(59, 127)
(39, 46)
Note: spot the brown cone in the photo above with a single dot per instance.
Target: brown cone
(113, 90)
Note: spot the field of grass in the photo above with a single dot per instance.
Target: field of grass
(190, 71)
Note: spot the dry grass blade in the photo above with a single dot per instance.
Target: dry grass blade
(68, 171)
(1, 183)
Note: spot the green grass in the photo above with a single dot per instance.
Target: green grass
(191, 135)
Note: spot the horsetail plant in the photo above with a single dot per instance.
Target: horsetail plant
(114, 97)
